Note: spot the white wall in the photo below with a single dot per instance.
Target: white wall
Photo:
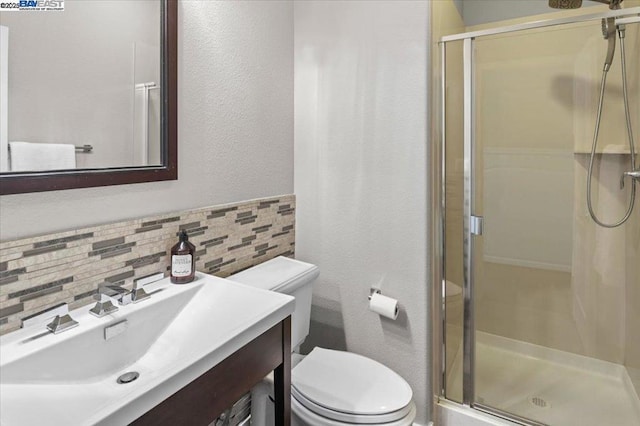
(360, 178)
(235, 125)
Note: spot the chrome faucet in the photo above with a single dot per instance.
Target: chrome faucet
(104, 305)
(634, 174)
(115, 292)
(107, 293)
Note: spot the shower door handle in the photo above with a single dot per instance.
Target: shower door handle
(476, 225)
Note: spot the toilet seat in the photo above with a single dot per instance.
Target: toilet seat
(303, 416)
(346, 387)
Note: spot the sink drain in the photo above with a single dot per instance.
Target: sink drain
(128, 377)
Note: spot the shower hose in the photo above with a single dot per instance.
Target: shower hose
(621, 34)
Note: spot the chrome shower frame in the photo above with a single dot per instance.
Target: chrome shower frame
(437, 224)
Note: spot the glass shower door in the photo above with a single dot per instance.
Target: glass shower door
(550, 330)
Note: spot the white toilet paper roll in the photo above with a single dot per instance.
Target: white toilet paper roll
(383, 305)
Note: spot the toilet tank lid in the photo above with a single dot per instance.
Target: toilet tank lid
(280, 274)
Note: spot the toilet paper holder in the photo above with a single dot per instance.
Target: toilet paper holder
(383, 305)
(373, 291)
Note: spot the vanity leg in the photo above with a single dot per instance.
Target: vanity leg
(282, 379)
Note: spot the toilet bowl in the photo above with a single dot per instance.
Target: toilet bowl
(328, 387)
(335, 388)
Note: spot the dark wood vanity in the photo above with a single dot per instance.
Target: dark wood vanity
(205, 398)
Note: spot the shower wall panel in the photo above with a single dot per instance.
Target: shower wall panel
(600, 263)
(632, 298)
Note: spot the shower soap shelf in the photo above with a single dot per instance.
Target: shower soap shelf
(616, 150)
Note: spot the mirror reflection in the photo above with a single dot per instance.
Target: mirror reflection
(80, 88)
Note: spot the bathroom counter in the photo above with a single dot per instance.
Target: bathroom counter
(204, 345)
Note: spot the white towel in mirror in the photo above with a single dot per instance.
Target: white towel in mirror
(29, 156)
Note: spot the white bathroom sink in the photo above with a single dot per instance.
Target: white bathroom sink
(169, 339)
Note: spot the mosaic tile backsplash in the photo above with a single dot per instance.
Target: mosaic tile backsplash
(40, 272)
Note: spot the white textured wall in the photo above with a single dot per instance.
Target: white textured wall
(360, 173)
(235, 119)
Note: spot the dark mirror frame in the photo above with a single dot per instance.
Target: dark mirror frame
(19, 183)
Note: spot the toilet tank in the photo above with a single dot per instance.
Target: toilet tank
(288, 276)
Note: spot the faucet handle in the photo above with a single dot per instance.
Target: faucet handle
(634, 174)
(62, 322)
(60, 315)
(48, 314)
(138, 293)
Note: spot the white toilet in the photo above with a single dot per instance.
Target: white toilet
(327, 387)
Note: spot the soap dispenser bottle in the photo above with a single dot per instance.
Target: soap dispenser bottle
(183, 260)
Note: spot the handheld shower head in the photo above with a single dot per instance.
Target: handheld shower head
(609, 33)
(565, 4)
(615, 4)
(575, 4)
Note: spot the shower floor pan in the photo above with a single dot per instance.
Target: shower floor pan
(549, 386)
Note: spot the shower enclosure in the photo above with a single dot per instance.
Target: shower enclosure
(538, 314)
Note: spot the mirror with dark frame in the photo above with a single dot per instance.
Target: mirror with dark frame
(99, 107)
